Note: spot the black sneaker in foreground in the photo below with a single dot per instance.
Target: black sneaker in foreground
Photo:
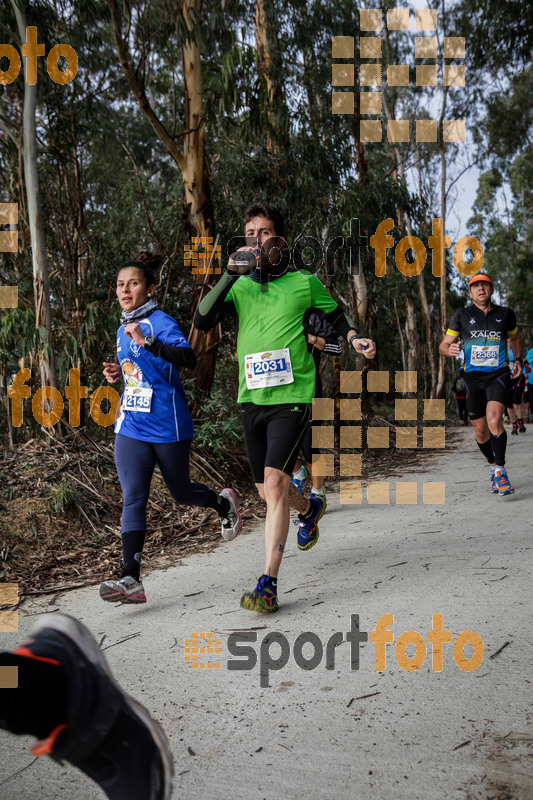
(108, 735)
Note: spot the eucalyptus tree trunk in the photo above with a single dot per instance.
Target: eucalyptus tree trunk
(424, 301)
(401, 337)
(41, 288)
(190, 160)
(268, 51)
(360, 160)
(197, 200)
(443, 303)
(360, 287)
(413, 343)
(360, 290)
(308, 62)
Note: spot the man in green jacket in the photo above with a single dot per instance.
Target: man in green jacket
(268, 298)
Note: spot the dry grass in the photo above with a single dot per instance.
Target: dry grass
(60, 506)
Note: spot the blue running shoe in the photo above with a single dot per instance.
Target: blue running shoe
(323, 497)
(308, 531)
(264, 598)
(301, 483)
(503, 483)
(493, 484)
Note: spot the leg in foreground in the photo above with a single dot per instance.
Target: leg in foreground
(275, 491)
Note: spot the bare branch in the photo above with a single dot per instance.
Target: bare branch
(139, 92)
(143, 196)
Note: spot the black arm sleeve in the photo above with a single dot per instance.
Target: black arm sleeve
(212, 306)
(333, 345)
(180, 356)
(341, 321)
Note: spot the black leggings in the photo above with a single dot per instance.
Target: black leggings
(135, 462)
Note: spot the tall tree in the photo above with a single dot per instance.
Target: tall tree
(270, 73)
(190, 160)
(41, 285)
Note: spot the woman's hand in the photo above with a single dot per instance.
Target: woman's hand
(133, 330)
(112, 372)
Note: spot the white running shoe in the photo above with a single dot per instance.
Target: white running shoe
(126, 590)
(232, 524)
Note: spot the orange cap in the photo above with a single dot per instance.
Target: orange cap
(479, 277)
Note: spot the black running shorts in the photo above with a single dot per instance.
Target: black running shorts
(484, 386)
(272, 435)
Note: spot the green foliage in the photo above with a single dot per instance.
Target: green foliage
(499, 33)
(67, 496)
(110, 187)
(217, 427)
(504, 203)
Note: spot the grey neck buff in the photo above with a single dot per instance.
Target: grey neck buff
(138, 313)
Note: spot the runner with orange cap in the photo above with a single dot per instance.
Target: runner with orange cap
(483, 328)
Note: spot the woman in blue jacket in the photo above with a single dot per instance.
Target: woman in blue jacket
(155, 424)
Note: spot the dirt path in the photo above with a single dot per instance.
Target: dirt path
(336, 733)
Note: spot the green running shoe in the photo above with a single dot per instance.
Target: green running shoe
(263, 599)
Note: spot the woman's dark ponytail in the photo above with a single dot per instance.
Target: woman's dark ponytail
(148, 262)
